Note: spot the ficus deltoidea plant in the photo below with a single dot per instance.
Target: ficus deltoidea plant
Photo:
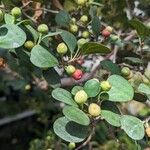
(58, 54)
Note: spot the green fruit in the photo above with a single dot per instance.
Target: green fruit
(81, 41)
(81, 97)
(73, 20)
(84, 19)
(85, 34)
(74, 28)
(62, 48)
(125, 71)
(43, 28)
(105, 85)
(94, 110)
(81, 2)
(28, 87)
(1, 15)
(71, 145)
(16, 12)
(114, 37)
(28, 45)
(70, 69)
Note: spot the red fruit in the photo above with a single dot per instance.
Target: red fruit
(77, 75)
(105, 33)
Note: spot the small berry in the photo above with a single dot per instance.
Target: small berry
(81, 97)
(1, 15)
(71, 146)
(130, 75)
(84, 19)
(125, 71)
(81, 41)
(73, 20)
(77, 75)
(28, 45)
(28, 87)
(43, 28)
(16, 12)
(85, 34)
(62, 48)
(74, 28)
(147, 130)
(105, 85)
(105, 33)
(94, 110)
(110, 29)
(81, 2)
(70, 69)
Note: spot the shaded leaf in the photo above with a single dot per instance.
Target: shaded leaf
(96, 25)
(75, 89)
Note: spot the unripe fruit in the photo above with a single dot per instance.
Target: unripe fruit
(28, 87)
(16, 12)
(84, 19)
(81, 41)
(71, 145)
(114, 37)
(94, 110)
(81, 97)
(70, 69)
(1, 15)
(85, 34)
(81, 2)
(43, 28)
(73, 20)
(105, 85)
(125, 71)
(28, 45)
(74, 28)
(105, 33)
(62, 48)
(110, 29)
(147, 130)
(130, 75)
(77, 75)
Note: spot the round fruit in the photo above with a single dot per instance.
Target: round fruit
(71, 145)
(105, 85)
(29, 45)
(81, 97)
(43, 28)
(16, 12)
(110, 29)
(73, 20)
(130, 75)
(81, 2)
(70, 69)
(125, 71)
(94, 110)
(114, 37)
(105, 33)
(74, 28)
(62, 48)
(28, 87)
(85, 34)
(77, 75)
(1, 15)
(84, 19)
(147, 130)
(81, 41)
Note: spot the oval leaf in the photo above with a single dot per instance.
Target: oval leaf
(75, 89)
(9, 19)
(92, 48)
(14, 37)
(69, 130)
(92, 87)
(40, 57)
(76, 115)
(63, 96)
(96, 25)
(121, 90)
(133, 127)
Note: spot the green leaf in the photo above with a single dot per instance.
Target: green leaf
(53, 81)
(111, 113)
(62, 18)
(92, 48)
(142, 30)
(96, 25)
(63, 96)
(121, 90)
(9, 19)
(134, 60)
(92, 87)
(75, 89)
(143, 88)
(76, 115)
(133, 127)
(69, 39)
(40, 57)
(14, 36)
(69, 130)
(110, 66)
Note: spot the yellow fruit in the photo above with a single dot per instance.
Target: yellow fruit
(28, 87)
(62, 48)
(81, 41)
(81, 2)
(105, 85)
(28, 45)
(43, 28)
(94, 110)
(71, 145)
(81, 97)
(84, 19)
(74, 28)
(110, 29)
(16, 12)
(85, 34)
(125, 71)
